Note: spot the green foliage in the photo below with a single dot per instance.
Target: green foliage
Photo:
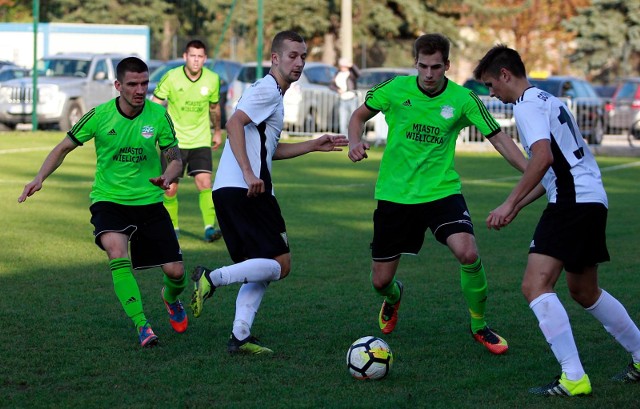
(67, 343)
(608, 38)
(15, 11)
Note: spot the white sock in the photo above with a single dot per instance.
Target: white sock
(554, 323)
(249, 271)
(616, 320)
(247, 304)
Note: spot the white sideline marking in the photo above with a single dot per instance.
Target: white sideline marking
(18, 150)
(508, 178)
(616, 167)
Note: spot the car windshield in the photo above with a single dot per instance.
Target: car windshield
(552, 87)
(63, 68)
(216, 66)
(367, 80)
(627, 90)
(322, 75)
(157, 74)
(248, 73)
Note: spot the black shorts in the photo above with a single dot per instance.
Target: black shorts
(400, 228)
(574, 234)
(251, 227)
(153, 240)
(194, 161)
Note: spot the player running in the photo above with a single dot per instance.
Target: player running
(571, 232)
(126, 197)
(418, 187)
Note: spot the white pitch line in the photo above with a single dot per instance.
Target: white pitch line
(19, 150)
(508, 178)
(625, 166)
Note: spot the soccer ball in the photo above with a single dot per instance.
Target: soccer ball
(369, 358)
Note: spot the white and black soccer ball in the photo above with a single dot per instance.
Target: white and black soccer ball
(369, 358)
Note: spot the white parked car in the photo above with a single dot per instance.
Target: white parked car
(309, 105)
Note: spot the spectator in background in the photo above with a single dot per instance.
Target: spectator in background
(344, 83)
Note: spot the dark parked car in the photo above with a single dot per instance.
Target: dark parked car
(605, 91)
(583, 101)
(370, 77)
(624, 108)
(503, 113)
(226, 70)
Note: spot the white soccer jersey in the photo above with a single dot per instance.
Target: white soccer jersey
(262, 102)
(574, 176)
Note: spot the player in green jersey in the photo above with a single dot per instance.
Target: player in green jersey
(418, 187)
(126, 197)
(192, 93)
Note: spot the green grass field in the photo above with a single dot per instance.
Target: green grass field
(66, 343)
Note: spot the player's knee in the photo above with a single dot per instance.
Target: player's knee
(285, 266)
(468, 256)
(586, 297)
(380, 282)
(531, 290)
(174, 271)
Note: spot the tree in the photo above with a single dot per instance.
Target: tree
(15, 11)
(162, 16)
(608, 39)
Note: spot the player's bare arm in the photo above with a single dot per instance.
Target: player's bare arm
(238, 143)
(509, 150)
(173, 170)
(159, 101)
(324, 143)
(50, 164)
(541, 160)
(216, 119)
(357, 147)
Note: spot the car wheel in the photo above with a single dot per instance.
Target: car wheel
(7, 127)
(70, 116)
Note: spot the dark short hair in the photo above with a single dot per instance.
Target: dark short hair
(130, 64)
(500, 56)
(281, 37)
(428, 44)
(195, 44)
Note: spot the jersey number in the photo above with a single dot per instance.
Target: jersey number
(565, 118)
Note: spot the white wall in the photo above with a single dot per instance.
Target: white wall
(16, 40)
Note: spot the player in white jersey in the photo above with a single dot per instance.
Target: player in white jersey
(571, 232)
(248, 212)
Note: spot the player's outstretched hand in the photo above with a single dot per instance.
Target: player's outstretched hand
(161, 182)
(358, 151)
(29, 189)
(328, 143)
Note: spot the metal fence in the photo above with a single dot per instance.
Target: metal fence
(316, 111)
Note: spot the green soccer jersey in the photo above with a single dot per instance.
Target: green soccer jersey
(188, 104)
(126, 151)
(418, 162)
